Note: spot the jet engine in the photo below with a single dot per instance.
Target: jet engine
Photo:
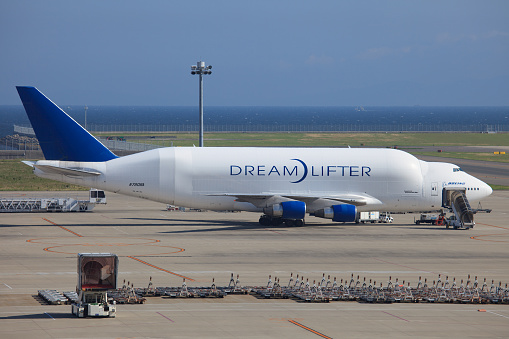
(339, 213)
(287, 210)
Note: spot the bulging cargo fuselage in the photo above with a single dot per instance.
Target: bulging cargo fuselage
(283, 183)
(215, 178)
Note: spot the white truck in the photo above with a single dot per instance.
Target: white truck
(372, 216)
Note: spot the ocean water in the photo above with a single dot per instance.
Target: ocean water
(261, 118)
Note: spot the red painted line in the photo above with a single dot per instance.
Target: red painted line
(308, 329)
(159, 268)
(395, 316)
(415, 269)
(62, 227)
(165, 317)
(273, 231)
(476, 237)
(505, 228)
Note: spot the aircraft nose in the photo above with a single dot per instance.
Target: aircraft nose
(488, 189)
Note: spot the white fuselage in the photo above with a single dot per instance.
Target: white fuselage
(212, 178)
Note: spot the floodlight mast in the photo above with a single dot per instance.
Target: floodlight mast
(201, 70)
(86, 109)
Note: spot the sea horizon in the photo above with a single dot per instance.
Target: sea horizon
(277, 118)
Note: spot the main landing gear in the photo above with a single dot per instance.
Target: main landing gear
(266, 220)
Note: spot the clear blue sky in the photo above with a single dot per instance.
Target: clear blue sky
(263, 53)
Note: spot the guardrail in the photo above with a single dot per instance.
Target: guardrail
(191, 128)
(484, 128)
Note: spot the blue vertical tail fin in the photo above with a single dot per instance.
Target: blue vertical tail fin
(60, 136)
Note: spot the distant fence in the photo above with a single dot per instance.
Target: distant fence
(133, 128)
(303, 128)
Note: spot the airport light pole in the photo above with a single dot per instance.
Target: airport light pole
(201, 70)
(86, 109)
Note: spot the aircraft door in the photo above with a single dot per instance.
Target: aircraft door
(434, 189)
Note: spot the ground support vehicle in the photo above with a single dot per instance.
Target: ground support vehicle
(431, 218)
(97, 273)
(372, 216)
(385, 218)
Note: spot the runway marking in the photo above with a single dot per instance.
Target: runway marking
(274, 231)
(153, 243)
(49, 315)
(395, 316)
(505, 228)
(62, 227)
(51, 249)
(489, 235)
(44, 241)
(415, 269)
(8, 286)
(159, 268)
(309, 329)
(476, 237)
(116, 227)
(162, 315)
(500, 315)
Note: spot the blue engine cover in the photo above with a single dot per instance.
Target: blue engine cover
(344, 213)
(294, 209)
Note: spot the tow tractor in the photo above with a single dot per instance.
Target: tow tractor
(97, 273)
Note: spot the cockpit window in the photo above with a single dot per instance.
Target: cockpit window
(457, 169)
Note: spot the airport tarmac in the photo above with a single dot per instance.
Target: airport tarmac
(38, 251)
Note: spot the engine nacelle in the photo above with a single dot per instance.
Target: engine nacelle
(287, 210)
(339, 213)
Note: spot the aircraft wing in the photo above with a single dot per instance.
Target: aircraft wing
(347, 198)
(261, 200)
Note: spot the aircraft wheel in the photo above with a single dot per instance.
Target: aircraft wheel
(290, 222)
(276, 221)
(264, 220)
(299, 223)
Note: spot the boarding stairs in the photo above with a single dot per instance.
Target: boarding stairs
(457, 202)
(44, 205)
(55, 204)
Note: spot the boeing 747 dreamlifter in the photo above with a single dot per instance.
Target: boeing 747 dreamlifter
(282, 183)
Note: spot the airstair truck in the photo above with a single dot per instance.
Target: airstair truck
(97, 273)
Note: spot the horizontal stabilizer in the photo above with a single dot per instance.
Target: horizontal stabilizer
(74, 172)
(28, 163)
(60, 137)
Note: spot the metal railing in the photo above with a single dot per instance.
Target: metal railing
(194, 128)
